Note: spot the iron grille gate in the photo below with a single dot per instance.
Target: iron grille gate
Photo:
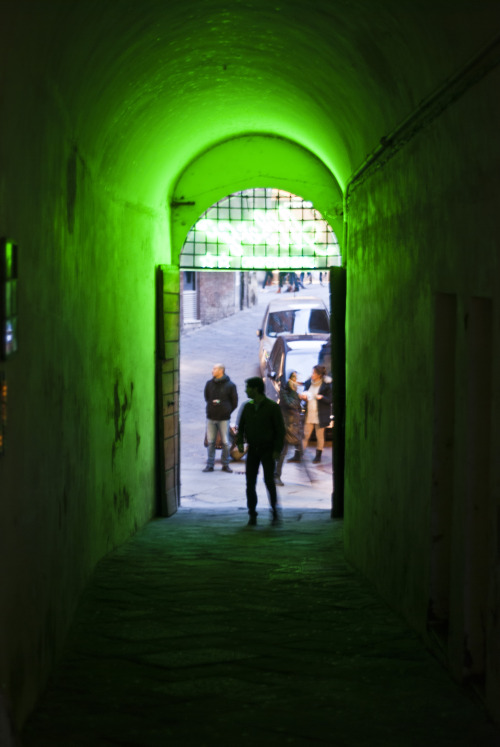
(262, 228)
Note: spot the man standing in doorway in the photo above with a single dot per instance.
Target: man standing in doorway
(221, 398)
(261, 426)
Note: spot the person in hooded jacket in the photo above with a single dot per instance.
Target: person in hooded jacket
(291, 409)
(221, 398)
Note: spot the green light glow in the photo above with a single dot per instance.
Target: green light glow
(258, 229)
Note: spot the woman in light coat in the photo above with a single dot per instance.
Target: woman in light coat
(318, 396)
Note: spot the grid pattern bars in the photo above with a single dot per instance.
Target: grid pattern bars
(260, 228)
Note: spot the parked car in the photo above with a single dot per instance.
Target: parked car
(295, 316)
(325, 356)
(293, 353)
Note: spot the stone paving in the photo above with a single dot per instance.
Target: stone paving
(202, 631)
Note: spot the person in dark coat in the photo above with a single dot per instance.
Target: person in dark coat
(291, 409)
(261, 425)
(318, 395)
(221, 398)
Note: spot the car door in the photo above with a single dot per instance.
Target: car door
(275, 366)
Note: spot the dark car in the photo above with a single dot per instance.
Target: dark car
(325, 356)
(293, 353)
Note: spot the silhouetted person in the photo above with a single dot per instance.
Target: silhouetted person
(261, 426)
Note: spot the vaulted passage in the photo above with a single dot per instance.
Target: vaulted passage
(122, 122)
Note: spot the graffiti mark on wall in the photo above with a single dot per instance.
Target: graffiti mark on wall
(122, 404)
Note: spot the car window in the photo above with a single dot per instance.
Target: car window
(319, 322)
(301, 321)
(280, 322)
(297, 322)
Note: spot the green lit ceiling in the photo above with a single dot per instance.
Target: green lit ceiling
(149, 85)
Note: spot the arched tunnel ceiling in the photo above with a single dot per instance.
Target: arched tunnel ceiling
(149, 85)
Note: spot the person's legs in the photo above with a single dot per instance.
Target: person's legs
(320, 442)
(224, 429)
(251, 470)
(279, 463)
(320, 438)
(297, 446)
(297, 456)
(268, 465)
(211, 436)
(308, 429)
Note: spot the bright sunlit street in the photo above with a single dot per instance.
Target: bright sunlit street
(234, 343)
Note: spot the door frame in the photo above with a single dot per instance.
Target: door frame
(167, 387)
(338, 296)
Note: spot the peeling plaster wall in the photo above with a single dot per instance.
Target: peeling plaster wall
(425, 223)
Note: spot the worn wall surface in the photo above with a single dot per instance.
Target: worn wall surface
(219, 297)
(421, 228)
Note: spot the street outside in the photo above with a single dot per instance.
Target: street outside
(233, 342)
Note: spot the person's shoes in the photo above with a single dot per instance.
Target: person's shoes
(208, 468)
(252, 521)
(276, 518)
(226, 468)
(317, 458)
(296, 457)
(277, 480)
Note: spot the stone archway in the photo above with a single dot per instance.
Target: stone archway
(248, 162)
(252, 161)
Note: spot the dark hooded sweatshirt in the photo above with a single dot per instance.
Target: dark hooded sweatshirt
(221, 398)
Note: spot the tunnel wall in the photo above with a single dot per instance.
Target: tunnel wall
(423, 231)
(78, 472)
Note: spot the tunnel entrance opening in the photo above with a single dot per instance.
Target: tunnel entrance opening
(232, 341)
(242, 240)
